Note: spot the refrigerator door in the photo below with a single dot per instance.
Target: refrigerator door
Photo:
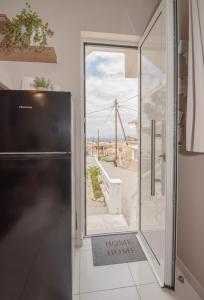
(35, 229)
(35, 121)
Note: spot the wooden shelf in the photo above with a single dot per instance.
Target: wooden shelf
(32, 54)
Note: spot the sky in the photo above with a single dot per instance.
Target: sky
(105, 81)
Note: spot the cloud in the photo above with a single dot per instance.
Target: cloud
(105, 81)
(114, 65)
(106, 64)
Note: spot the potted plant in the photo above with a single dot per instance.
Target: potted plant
(24, 29)
(43, 84)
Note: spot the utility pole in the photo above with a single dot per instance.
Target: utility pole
(116, 132)
(123, 129)
(92, 147)
(98, 144)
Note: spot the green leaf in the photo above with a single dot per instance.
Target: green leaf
(25, 26)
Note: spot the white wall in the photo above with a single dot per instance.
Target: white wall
(191, 214)
(190, 237)
(5, 79)
(68, 18)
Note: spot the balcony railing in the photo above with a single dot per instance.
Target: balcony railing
(112, 190)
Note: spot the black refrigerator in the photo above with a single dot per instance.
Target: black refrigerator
(35, 195)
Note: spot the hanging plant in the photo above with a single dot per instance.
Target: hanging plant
(26, 28)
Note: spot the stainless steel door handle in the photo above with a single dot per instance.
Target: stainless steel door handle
(152, 157)
(162, 156)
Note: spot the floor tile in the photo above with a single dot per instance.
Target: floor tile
(87, 244)
(153, 291)
(75, 297)
(103, 277)
(185, 291)
(76, 270)
(141, 273)
(117, 294)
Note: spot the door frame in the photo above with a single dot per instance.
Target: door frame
(166, 276)
(95, 39)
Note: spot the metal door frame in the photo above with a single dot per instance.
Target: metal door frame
(167, 277)
(108, 45)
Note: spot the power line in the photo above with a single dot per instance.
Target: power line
(93, 104)
(108, 117)
(104, 107)
(96, 111)
(127, 108)
(128, 99)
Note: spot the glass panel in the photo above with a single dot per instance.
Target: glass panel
(153, 94)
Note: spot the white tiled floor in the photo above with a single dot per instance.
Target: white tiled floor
(141, 273)
(117, 294)
(103, 277)
(153, 291)
(132, 281)
(76, 273)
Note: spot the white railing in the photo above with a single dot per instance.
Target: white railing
(112, 190)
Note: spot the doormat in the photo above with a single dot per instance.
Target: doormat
(116, 249)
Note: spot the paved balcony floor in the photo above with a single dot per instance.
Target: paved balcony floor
(106, 223)
(99, 220)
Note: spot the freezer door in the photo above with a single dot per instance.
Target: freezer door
(35, 121)
(35, 229)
